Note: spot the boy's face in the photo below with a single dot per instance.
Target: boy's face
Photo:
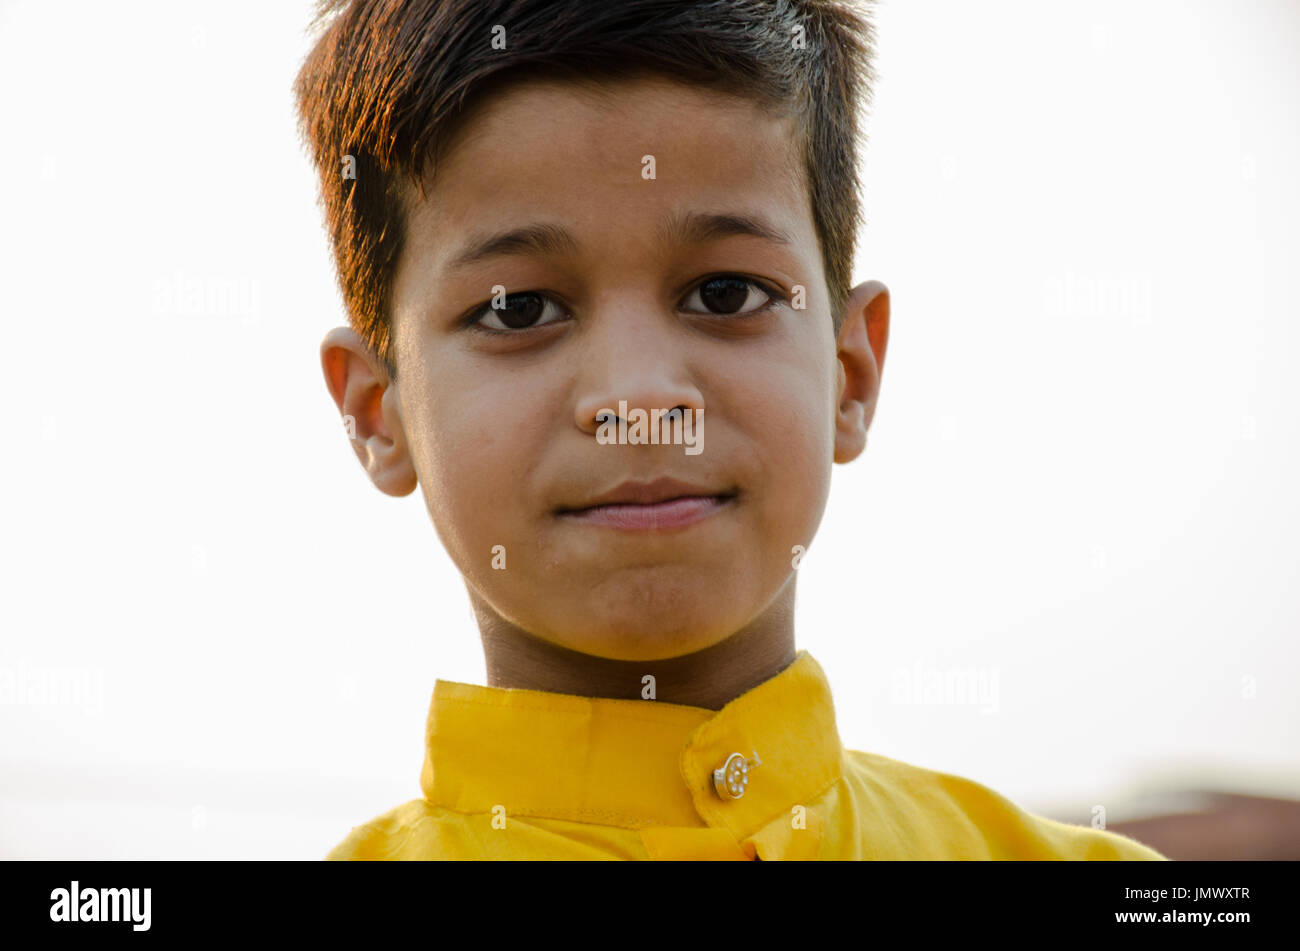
(501, 428)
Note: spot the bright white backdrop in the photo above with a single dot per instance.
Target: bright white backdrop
(217, 640)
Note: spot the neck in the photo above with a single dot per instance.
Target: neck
(709, 678)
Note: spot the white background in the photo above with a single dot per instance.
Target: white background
(218, 640)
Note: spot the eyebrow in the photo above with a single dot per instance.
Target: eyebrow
(550, 239)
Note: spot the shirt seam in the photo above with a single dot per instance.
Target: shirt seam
(631, 823)
(625, 715)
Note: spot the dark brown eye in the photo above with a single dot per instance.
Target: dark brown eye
(522, 311)
(725, 295)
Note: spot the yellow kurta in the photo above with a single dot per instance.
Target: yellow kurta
(526, 774)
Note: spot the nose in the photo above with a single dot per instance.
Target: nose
(637, 359)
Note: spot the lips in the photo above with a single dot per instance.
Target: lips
(661, 503)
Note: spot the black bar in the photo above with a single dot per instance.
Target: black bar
(973, 900)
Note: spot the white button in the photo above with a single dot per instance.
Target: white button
(731, 778)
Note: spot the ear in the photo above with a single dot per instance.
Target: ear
(372, 416)
(864, 334)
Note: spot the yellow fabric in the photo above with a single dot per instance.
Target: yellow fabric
(525, 774)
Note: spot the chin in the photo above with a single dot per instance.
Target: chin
(646, 638)
(645, 615)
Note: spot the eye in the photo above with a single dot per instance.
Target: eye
(724, 295)
(522, 311)
(727, 294)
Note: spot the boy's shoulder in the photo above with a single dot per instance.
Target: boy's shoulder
(415, 829)
(938, 815)
(423, 831)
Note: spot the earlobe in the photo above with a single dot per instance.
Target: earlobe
(367, 402)
(864, 335)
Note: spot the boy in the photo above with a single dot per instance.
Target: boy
(563, 229)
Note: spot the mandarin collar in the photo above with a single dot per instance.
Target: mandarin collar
(637, 764)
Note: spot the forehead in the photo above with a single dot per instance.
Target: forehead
(614, 163)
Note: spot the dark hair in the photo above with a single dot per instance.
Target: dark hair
(390, 81)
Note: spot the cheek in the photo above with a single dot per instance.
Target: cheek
(794, 428)
(473, 461)
(790, 415)
(799, 467)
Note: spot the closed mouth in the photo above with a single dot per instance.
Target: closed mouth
(671, 511)
(655, 492)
